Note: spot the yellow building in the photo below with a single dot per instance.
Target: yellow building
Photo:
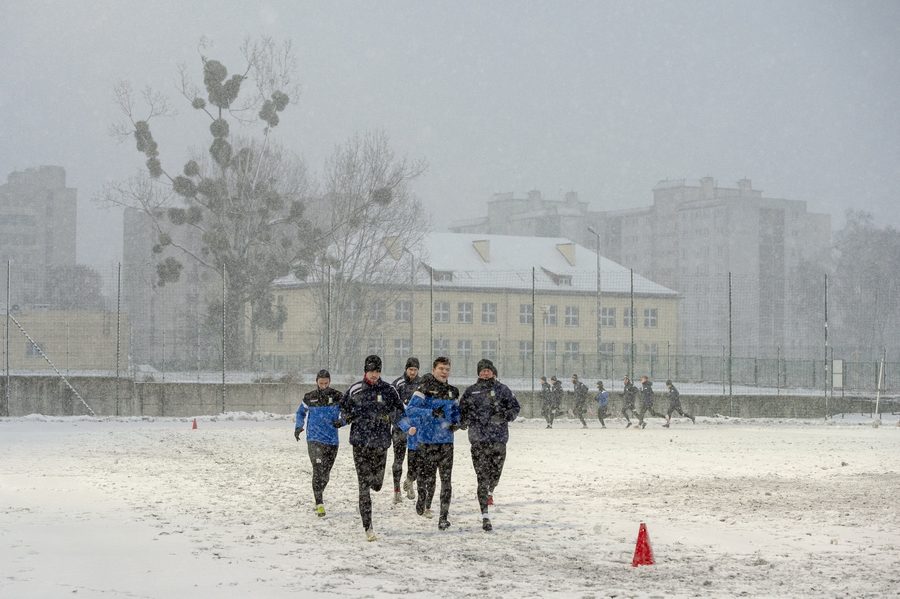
(70, 340)
(524, 302)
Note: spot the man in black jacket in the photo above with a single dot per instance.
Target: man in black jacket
(675, 404)
(405, 385)
(629, 393)
(647, 401)
(581, 396)
(546, 402)
(556, 397)
(370, 407)
(486, 409)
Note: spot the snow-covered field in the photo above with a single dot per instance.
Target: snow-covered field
(734, 508)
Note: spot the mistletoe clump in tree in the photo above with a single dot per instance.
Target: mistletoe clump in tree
(236, 208)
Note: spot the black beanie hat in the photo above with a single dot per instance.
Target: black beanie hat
(412, 362)
(485, 363)
(323, 374)
(373, 362)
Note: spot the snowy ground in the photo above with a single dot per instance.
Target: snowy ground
(95, 508)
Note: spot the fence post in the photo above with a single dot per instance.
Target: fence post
(118, 328)
(533, 333)
(825, 381)
(8, 269)
(224, 314)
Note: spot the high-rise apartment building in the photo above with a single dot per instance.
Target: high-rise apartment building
(735, 257)
(37, 227)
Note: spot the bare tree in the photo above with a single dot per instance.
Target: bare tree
(237, 209)
(375, 228)
(866, 289)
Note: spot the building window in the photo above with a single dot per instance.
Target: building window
(526, 349)
(607, 348)
(464, 312)
(442, 311)
(281, 335)
(550, 317)
(489, 348)
(572, 349)
(650, 318)
(571, 316)
(526, 314)
(651, 350)
(351, 310)
(464, 347)
(550, 348)
(442, 275)
(401, 348)
(377, 311)
(608, 317)
(441, 347)
(626, 349)
(375, 345)
(33, 350)
(626, 317)
(488, 313)
(403, 311)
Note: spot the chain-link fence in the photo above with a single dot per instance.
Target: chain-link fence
(721, 335)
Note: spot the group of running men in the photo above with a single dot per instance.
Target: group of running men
(552, 395)
(418, 417)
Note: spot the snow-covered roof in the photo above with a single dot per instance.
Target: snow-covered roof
(506, 261)
(678, 183)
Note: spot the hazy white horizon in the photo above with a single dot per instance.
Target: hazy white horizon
(605, 99)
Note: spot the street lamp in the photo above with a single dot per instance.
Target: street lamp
(599, 308)
(412, 296)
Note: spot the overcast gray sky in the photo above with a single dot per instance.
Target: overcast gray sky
(603, 98)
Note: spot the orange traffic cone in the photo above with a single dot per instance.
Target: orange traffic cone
(643, 553)
(195, 426)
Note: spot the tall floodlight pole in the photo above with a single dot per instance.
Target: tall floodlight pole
(826, 348)
(328, 321)
(632, 322)
(533, 324)
(545, 310)
(6, 331)
(118, 326)
(431, 317)
(599, 309)
(224, 331)
(730, 346)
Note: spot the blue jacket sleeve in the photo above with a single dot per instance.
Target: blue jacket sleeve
(413, 417)
(301, 415)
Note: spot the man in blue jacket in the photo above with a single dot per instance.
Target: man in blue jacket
(486, 409)
(435, 437)
(316, 413)
(370, 407)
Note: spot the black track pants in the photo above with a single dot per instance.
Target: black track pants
(398, 439)
(322, 458)
(370, 463)
(488, 459)
(434, 459)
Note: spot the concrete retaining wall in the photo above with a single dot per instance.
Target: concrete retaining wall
(52, 397)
